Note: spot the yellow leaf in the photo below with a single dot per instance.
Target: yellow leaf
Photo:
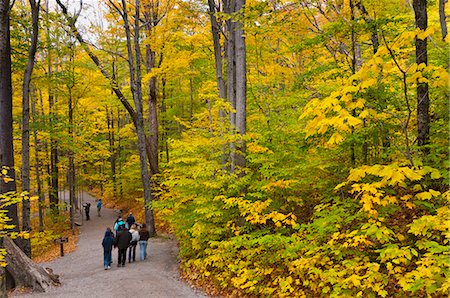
(336, 138)
(435, 193)
(424, 195)
(364, 114)
(411, 174)
(353, 121)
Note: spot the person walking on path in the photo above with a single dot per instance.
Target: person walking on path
(122, 241)
(87, 209)
(144, 234)
(130, 219)
(107, 244)
(119, 222)
(134, 240)
(99, 207)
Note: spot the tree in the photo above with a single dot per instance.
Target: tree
(35, 8)
(6, 133)
(136, 115)
(423, 100)
(241, 84)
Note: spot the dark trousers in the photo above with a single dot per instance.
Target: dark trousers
(132, 250)
(122, 256)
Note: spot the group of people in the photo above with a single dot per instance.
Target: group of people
(128, 235)
(87, 208)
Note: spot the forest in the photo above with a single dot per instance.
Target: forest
(294, 148)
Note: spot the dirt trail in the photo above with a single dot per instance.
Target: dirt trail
(82, 273)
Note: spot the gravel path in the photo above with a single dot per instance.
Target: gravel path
(82, 273)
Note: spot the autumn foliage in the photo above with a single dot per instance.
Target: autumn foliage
(342, 194)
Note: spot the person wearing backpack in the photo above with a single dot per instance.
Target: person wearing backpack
(119, 222)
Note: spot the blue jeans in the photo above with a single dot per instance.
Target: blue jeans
(107, 258)
(143, 249)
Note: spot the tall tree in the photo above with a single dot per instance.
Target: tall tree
(6, 124)
(38, 163)
(151, 18)
(241, 84)
(6, 120)
(423, 100)
(71, 170)
(443, 18)
(136, 115)
(35, 8)
(53, 166)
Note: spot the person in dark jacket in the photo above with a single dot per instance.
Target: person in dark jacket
(87, 209)
(107, 244)
(144, 234)
(130, 220)
(122, 241)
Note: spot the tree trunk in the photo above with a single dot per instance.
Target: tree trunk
(241, 87)
(443, 18)
(145, 175)
(149, 18)
(221, 85)
(215, 29)
(53, 187)
(423, 101)
(191, 99)
(230, 6)
(25, 272)
(6, 124)
(164, 122)
(37, 148)
(71, 173)
(119, 153)
(6, 120)
(26, 244)
(112, 151)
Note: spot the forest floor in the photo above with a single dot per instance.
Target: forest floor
(82, 273)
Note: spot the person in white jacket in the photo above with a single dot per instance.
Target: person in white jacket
(134, 240)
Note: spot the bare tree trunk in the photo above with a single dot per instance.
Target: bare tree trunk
(443, 18)
(423, 101)
(26, 244)
(230, 6)
(241, 87)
